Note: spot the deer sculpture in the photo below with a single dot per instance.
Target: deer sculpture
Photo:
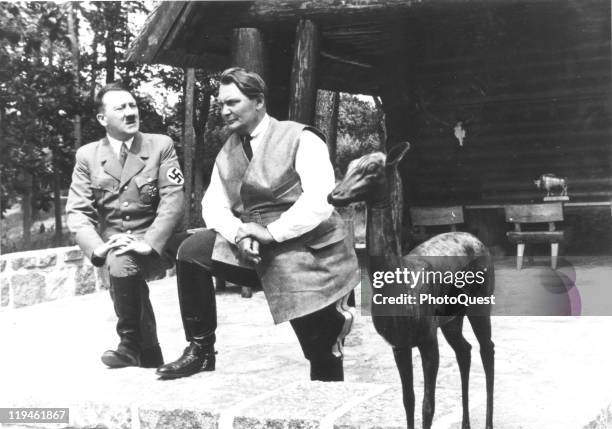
(373, 178)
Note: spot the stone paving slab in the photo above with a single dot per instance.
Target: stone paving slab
(551, 372)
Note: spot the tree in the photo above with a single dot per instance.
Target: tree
(48, 76)
(109, 21)
(37, 97)
(359, 124)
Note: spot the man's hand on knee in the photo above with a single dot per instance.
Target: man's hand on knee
(115, 241)
(136, 246)
(255, 231)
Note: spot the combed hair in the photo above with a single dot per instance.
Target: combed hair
(114, 86)
(248, 82)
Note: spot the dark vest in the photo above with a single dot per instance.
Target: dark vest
(269, 184)
(304, 274)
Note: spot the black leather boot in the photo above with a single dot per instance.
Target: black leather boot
(126, 300)
(199, 315)
(327, 370)
(195, 358)
(151, 357)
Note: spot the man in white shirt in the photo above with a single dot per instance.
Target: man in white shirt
(270, 224)
(124, 204)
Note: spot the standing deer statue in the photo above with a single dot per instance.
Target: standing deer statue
(373, 178)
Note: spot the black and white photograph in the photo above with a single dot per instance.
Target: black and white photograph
(334, 214)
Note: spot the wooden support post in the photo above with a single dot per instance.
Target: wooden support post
(326, 119)
(188, 143)
(303, 87)
(248, 50)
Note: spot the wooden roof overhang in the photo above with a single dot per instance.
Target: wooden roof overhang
(532, 79)
(360, 39)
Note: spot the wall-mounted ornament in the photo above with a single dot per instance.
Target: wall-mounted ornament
(459, 131)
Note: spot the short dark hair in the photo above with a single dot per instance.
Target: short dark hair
(114, 86)
(248, 82)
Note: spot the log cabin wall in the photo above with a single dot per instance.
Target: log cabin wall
(530, 84)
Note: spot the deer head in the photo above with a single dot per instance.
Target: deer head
(367, 178)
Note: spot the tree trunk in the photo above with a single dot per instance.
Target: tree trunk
(57, 200)
(94, 67)
(111, 55)
(303, 87)
(73, 34)
(26, 208)
(326, 119)
(188, 143)
(381, 126)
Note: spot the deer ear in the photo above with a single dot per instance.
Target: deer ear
(396, 153)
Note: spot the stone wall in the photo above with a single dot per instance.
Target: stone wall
(28, 278)
(37, 276)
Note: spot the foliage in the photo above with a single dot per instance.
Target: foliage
(41, 90)
(37, 98)
(358, 124)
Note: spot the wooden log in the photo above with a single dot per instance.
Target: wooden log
(326, 119)
(350, 11)
(303, 86)
(188, 143)
(248, 50)
(73, 34)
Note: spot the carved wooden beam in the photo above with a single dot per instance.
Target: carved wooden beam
(248, 50)
(303, 87)
(189, 142)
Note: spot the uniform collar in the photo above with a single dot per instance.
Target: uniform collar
(139, 149)
(116, 144)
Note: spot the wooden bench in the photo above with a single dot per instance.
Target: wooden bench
(530, 214)
(422, 217)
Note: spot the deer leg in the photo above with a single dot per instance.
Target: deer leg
(453, 332)
(481, 325)
(430, 359)
(403, 360)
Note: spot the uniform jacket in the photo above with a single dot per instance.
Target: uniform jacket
(301, 275)
(144, 197)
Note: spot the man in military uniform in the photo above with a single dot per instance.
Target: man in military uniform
(270, 224)
(124, 204)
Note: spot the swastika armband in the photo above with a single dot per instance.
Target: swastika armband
(171, 175)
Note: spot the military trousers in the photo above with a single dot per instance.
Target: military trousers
(141, 268)
(320, 334)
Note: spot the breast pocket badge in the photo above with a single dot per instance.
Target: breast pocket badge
(149, 193)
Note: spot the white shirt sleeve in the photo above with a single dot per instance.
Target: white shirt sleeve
(216, 210)
(316, 173)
